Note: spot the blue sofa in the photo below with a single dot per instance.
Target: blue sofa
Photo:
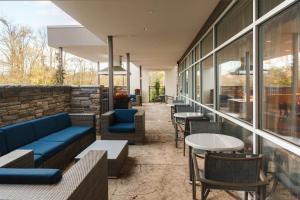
(123, 124)
(55, 140)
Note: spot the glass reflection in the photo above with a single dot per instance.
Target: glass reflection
(208, 82)
(236, 78)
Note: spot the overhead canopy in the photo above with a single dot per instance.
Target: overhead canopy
(77, 40)
(155, 32)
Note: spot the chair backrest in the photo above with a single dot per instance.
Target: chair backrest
(125, 115)
(183, 108)
(194, 121)
(204, 126)
(232, 168)
(178, 101)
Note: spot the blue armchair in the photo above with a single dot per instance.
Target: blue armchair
(123, 124)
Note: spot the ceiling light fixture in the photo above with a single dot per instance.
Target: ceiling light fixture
(145, 28)
(268, 41)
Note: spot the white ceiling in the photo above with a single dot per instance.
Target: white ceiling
(155, 32)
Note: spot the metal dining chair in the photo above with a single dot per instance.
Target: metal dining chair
(179, 123)
(195, 121)
(238, 172)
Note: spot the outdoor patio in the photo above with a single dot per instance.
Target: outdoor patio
(156, 170)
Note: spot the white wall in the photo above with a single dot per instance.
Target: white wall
(134, 78)
(171, 81)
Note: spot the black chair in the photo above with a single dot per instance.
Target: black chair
(239, 172)
(196, 123)
(179, 123)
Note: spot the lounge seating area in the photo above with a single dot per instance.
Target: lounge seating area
(124, 124)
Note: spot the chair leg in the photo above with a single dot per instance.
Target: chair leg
(176, 135)
(246, 196)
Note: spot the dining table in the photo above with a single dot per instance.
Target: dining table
(210, 142)
(181, 118)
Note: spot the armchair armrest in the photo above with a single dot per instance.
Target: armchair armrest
(139, 120)
(88, 119)
(17, 159)
(86, 179)
(106, 120)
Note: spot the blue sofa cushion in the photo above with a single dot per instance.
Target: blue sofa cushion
(3, 149)
(62, 120)
(44, 126)
(29, 176)
(68, 135)
(38, 160)
(122, 128)
(125, 115)
(18, 135)
(46, 149)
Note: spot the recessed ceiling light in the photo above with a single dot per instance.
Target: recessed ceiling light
(150, 12)
(287, 50)
(268, 41)
(145, 28)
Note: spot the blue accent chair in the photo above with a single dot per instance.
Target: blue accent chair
(123, 124)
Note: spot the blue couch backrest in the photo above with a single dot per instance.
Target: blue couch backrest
(20, 134)
(125, 115)
(3, 148)
(44, 126)
(62, 120)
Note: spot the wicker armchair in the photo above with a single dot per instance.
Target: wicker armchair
(85, 180)
(135, 136)
(239, 172)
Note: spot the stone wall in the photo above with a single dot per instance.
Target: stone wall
(86, 100)
(21, 103)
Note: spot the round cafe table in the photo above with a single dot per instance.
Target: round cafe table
(183, 116)
(210, 142)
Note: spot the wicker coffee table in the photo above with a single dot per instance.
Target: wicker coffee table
(117, 153)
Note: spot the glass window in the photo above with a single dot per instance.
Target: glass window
(197, 53)
(198, 83)
(186, 83)
(234, 130)
(207, 44)
(191, 82)
(208, 82)
(265, 6)
(239, 17)
(280, 44)
(283, 169)
(236, 78)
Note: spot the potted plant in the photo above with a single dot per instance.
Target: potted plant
(121, 101)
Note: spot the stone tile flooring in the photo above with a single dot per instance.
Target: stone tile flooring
(156, 170)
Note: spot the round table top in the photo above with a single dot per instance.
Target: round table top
(187, 115)
(214, 142)
(173, 104)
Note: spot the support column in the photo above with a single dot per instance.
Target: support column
(110, 72)
(141, 86)
(60, 67)
(98, 73)
(128, 72)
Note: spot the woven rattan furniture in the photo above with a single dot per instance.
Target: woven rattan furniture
(66, 150)
(239, 172)
(86, 180)
(135, 136)
(117, 153)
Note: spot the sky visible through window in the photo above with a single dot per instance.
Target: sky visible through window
(35, 14)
